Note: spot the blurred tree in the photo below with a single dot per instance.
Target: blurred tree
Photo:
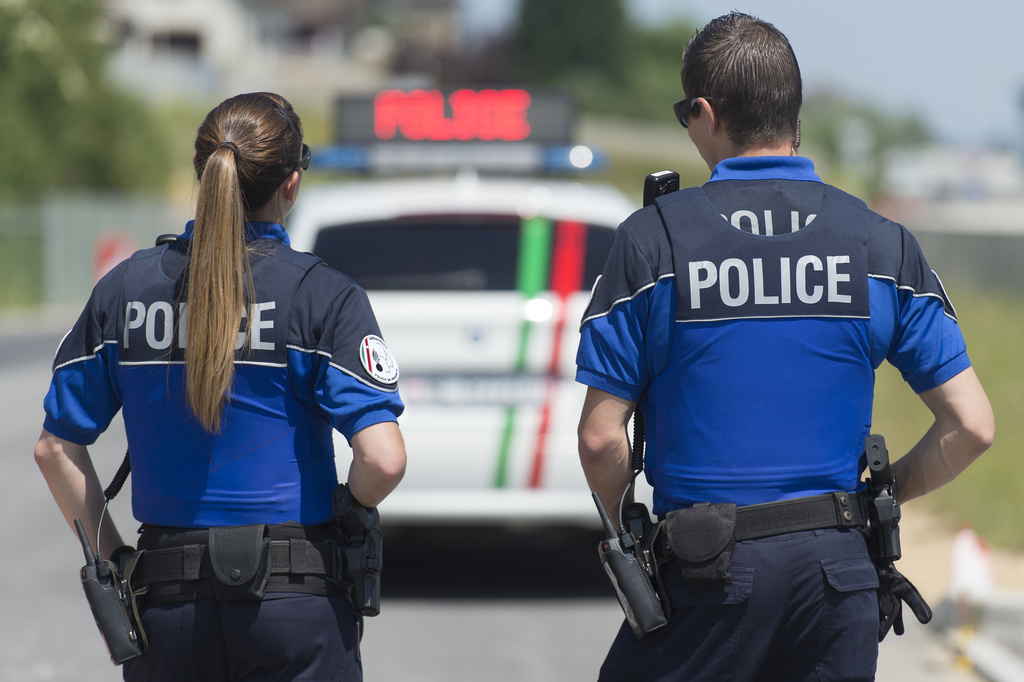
(489, 62)
(61, 125)
(557, 38)
(589, 47)
(653, 61)
(637, 75)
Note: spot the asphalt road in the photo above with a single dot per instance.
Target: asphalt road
(516, 606)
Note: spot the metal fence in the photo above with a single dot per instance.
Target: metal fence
(983, 262)
(20, 255)
(55, 252)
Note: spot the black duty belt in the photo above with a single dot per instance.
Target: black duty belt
(183, 571)
(831, 510)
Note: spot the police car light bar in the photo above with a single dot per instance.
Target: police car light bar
(483, 157)
(572, 159)
(491, 130)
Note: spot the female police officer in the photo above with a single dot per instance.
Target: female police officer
(232, 356)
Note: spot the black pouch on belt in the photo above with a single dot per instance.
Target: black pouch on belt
(240, 558)
(702, 539)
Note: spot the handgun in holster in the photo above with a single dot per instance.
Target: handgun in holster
(884, 508)
(883, 535)
(361, 551)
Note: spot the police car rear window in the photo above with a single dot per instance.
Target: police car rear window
(460, 253)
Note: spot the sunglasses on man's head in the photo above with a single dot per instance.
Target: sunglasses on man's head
(683, 108)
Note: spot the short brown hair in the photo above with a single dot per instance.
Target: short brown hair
(747, 70)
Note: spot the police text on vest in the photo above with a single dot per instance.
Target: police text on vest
(155, 324)
(762, 282)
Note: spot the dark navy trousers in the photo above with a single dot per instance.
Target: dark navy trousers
(801, 607)
(283, 637)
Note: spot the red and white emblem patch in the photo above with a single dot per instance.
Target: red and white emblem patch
(377, 360)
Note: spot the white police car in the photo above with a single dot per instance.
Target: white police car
(479, 284)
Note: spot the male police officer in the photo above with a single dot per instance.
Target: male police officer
(745, 318)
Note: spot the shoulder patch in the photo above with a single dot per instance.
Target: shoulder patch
(377, 360)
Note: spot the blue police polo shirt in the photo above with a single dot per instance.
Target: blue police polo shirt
(313, 362)
(747, 317)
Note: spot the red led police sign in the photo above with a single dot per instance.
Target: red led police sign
(463, 115)
(456, 116)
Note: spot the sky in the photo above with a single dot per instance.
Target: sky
(957, 65)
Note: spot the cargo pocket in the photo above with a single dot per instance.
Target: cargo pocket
(711, 652)
(848, 644)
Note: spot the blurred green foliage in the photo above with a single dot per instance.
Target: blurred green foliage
(558, 39)
(985, 496)
(61, 125)
(588, 47)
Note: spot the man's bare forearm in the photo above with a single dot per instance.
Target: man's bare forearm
(964, 428)
(604, 446)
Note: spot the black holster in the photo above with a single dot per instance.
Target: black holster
(363, 550)
(883, 535)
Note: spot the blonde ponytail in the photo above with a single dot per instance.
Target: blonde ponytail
(219, 286)
(245, 148)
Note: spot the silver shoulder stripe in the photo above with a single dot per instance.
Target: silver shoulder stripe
(626, 299)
